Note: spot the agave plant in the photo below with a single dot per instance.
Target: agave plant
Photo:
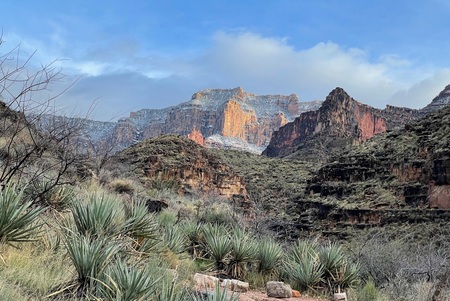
(243, 252)
(126, 283)
(269, 257)
(217, 245)
(195, 238)
(304, 266)
(175, 239)
(338, 272)
(139, 224)
(100, 216)
(89, 256)
(17, 218)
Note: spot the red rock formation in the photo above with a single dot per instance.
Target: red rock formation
(230, 113)
(340, 118)
(197, 137)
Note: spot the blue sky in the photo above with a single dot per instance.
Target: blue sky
(153, 54)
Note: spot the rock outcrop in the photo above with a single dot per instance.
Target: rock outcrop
(232, 117)
(186, 166)
(339, 122)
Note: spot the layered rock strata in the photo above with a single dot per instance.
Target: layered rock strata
(339, 122)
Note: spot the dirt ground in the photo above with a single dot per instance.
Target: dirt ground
(262, 296)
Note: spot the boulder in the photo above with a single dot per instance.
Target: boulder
(277, 289)
(202, 281)
(235, 285)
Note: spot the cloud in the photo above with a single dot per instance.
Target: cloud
(422, 92)
(126, 76)
(271, 65)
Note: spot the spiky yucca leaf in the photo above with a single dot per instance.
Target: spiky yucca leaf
(243, 252)
(139, 224)
(175, 239)
(90, 256)
(269, 256)
(195, 238)
(306, 274)
(126, 283)
(17, 219)
(304, 266)
(98, 217)
(217, 245)
(332, 258)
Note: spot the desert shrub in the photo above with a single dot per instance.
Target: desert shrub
(269, 257)
(175, 239)
(368, 292)
(126, 283)
(100, 216)
(32, 270)
(123, 186)
(242, 253)
(89, 256)
(217, 245)
(166, 218)
(17, 218)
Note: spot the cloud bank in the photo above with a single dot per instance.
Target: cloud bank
(132, 77)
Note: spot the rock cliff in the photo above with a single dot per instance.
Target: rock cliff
(231, 117)
(339, 122)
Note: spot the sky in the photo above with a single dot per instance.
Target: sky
(122, 56)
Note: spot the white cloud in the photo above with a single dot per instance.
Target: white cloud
(422, 92)
(271, 65)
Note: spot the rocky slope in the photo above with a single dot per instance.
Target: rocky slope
(339, 122)
(180, 162)
(398, 177)
(226, 118)
(397, 181)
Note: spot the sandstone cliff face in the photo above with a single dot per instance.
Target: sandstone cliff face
(196, 170)
(340, 121)
(197, 137)
(230, 113)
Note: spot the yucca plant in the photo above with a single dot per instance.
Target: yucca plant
(17, 218)
(170, 292)
(89, 256)
(100, 216)
(332, 258)
(338, 272)
(139, 224)
(121, 282)
(346, 276)
(304, 266)
(217, 245)
(195, 238)
(269, 256)
(175, 239)
(242, 253)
